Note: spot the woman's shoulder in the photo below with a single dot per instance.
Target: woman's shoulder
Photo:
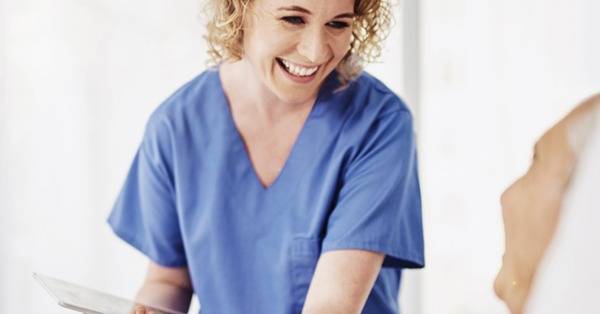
(367, 94)
(189, 100)
(197, 90)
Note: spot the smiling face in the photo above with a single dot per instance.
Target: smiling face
(292, 46)
(531, 206)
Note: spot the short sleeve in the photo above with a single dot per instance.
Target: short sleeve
(145, 214)
(379, 205)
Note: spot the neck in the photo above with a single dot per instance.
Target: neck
(253, 97)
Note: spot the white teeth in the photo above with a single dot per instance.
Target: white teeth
(299, 70)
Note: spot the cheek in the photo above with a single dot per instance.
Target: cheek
(276, 45)
(265, 39)
(340, 46)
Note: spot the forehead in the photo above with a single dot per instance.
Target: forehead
(316, 7)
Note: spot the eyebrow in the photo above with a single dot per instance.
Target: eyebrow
(305, 11)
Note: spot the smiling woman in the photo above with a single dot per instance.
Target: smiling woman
(282, 180)
(370, 25)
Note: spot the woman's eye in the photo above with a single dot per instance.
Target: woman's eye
(338, 24)
(295, 20)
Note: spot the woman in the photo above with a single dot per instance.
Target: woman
(284, 180)
(550, 215)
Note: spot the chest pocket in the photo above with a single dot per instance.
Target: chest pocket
(305, 253)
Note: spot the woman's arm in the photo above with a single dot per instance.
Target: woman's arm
(166, 287)
(342, 281)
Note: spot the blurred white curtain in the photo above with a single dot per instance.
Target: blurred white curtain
(495, 75)
(78, 80)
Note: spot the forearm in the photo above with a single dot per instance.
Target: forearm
(165, 295)
(342, 282)
(332, 306)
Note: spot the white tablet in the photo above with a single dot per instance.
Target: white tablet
(85, 300)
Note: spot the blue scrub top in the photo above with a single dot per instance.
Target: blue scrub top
(192, 197)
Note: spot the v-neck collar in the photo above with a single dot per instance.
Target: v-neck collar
(295, 162)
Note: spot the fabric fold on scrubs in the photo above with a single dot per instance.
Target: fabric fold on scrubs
(379, 203)
(145, 214)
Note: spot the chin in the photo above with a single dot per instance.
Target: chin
(295, 89)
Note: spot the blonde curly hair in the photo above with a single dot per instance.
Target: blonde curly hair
(370, 28)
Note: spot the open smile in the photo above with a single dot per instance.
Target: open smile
(298, 72)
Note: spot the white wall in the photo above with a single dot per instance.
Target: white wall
(79, 81)
(495, 75)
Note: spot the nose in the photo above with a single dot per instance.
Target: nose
(314, 46)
